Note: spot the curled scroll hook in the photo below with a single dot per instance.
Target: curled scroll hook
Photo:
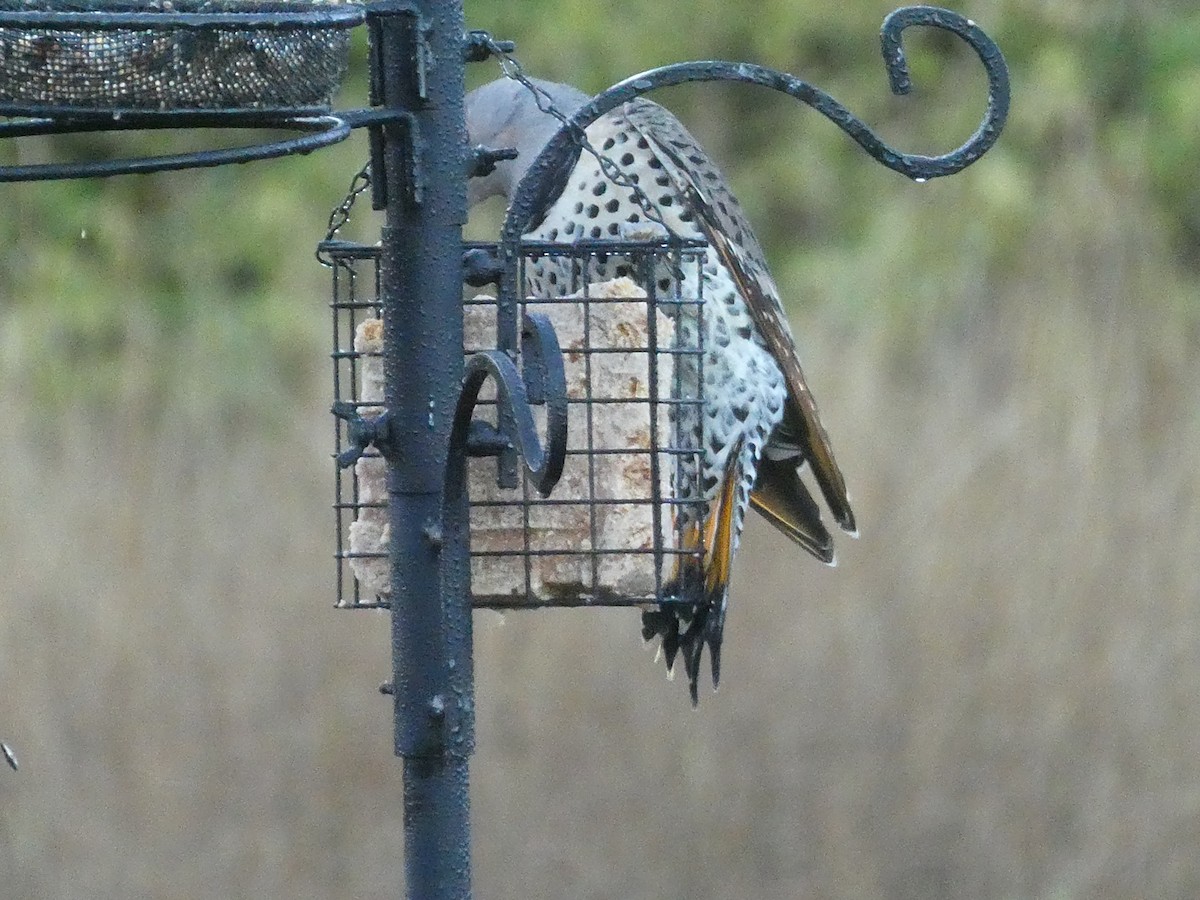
(543, 381)
(999, 92)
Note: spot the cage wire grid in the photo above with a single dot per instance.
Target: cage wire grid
(351, 303)
(613, 532)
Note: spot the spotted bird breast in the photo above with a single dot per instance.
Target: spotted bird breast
(742, 386)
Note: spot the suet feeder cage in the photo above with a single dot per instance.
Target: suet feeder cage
(610, 532)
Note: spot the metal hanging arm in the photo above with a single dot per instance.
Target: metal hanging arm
(546, 175)
(317, 132)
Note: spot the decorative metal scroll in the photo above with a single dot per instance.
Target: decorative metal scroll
(541, 381)
(546, 176)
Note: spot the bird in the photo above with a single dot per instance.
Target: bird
(759, 425)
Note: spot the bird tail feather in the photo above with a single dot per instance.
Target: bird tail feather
(685, 629)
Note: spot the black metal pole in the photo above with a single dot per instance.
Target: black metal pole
(418, 67)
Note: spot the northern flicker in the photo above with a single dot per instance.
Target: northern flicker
(760, 423)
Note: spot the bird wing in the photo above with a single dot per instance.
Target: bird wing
(781, 498)
(721, 220)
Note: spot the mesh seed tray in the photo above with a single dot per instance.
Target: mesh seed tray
(220, 54)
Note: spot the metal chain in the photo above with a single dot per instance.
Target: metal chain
(512, 68)
(341, 214)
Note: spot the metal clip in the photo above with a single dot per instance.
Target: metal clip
(477, 46)
(361, 432)
(483, 160)
(480, 267)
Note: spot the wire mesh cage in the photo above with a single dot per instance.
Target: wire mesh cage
(615, 529)
(360, 509)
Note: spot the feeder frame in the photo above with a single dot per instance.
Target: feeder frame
(428, 429)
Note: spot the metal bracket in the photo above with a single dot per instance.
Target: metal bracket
(406, 134)
(378, 13)
(362, 432)
(541, 381)
(485, 440)
(410, 163)
(414, 42)
(483, 160)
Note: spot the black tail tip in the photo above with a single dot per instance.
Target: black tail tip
(684, 633)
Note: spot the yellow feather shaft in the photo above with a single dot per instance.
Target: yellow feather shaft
(719, 546)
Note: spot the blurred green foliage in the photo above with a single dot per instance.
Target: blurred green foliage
(1106, 103)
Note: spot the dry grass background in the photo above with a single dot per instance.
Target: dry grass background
(994, 695)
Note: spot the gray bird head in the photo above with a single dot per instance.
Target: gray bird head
(504, 113)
